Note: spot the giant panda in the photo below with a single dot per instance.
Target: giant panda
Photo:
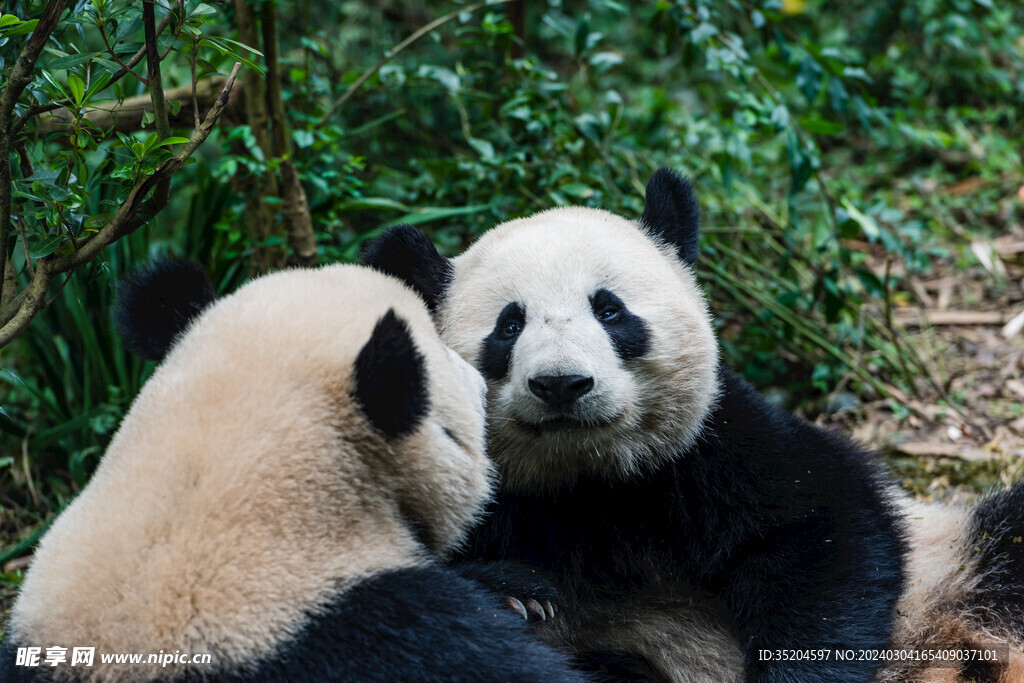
(696, 532)
(277, 497)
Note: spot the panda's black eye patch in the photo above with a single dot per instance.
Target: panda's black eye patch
(496, 353)
(627, 331)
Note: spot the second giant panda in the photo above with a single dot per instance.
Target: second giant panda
(276, 498)
(695, 531)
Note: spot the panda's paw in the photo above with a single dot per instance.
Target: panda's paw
(530, 609)
(522, 589)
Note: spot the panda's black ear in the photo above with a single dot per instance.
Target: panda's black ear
(156, 303)
(391, 379)
(671, 212)
(408, 254)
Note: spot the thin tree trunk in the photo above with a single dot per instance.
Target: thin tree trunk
(259, 215)
(295, 207)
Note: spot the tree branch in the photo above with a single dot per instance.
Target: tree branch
(126, 117)
(21, 76)
(133, 212)
(294, 204)
(156, 84)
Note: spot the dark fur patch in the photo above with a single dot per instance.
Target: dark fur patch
(408, 254)
(997, 534)
(419, 624)
(786, 524)
(628, 331)
(156, 303)
(391, 378)
(496, 352)
(672, 213)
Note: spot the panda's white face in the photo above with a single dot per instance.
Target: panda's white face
(594, 339)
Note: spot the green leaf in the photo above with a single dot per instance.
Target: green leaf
(866, 222)
(702, 33)
(364, 203)
(172, 141)
(483, 147)
(242, 45)
(77, 87)
(578, 190)
(71, 61)
(97, 85)
(202, 9)
(21, 29)
(819, 126)
(56, 85)
(45, 247)
(8, 19)
(808, 79)
(780, 116)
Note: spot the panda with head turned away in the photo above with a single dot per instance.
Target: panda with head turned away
(694, 531)
(276, 499)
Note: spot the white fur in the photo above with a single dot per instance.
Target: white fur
(551, 263)
(245, 487)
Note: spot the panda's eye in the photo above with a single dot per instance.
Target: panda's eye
(610, 314)
(511, 328)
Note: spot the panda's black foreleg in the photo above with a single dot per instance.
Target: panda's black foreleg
(525, 590)
(813, 606)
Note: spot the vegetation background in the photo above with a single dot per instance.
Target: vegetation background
(859, 165)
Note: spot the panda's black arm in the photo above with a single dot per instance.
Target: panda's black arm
(416, 624)
(816, 553)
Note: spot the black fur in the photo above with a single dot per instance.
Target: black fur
(628, 331)
(511, 578)
(997, 535)
(156, 303)
(391, 378)
(419, 624)
(408, 254)
(782, 521)
(496, 352)
(671, 212)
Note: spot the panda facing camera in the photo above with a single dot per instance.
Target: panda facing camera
(278, 496)
(691, 526)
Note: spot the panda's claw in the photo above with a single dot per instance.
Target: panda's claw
(536, 608)
(549, 608)
(516, 606)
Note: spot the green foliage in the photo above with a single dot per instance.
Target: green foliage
(819, 143)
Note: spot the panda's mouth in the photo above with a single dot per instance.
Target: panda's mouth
(566, 423)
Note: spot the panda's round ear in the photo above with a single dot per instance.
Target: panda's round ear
(671, 213)
(408, 254)
(155, 304)
(390, 378)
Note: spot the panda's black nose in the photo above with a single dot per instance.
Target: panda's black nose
(561, 390)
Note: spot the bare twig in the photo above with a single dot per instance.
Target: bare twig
(110, 51)
(397, 49)
(133, 212)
